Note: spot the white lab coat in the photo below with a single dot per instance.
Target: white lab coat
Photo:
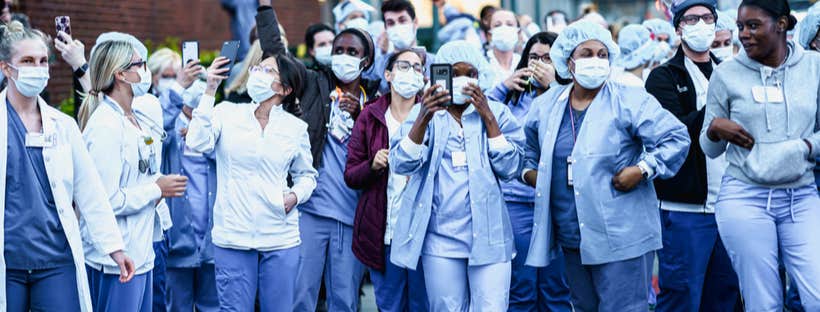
(67, 165)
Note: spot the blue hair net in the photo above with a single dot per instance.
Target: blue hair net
(459, 51)
(661, 27)
(572, 36)
(342, 10)
(725, 22)
(118, 36)
(637, 46)
(808, 28)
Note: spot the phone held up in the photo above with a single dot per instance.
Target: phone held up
(442, 75)
(190, 52)
(230, 49)
(63, 23)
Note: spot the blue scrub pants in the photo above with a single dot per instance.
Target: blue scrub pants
(454, 286)
(42, 290)
(108, 294)
(161, 253)
(758, 223)
(327, 247)
(695, 272)
(611, 287)
(191, 289)
(534, 289)
(398, 289)
(793, 298)
(240, 274)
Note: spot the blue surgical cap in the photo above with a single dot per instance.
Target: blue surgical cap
(574, 35)
(725, 22)
(342, 10)
(661, 27)
(637, 46)
(459, 51)
(808, 28)
(118, 36)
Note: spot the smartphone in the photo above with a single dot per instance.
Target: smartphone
(63, 23)
(229, 50)
(442, 74)
(190, 52)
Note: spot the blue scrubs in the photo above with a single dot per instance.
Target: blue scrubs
(108, 294)
(562, 199)
(397, 280)
(542, 288)
(326, 230)
(245, 274)
(37, 255)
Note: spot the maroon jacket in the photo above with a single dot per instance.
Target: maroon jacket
(368, 137)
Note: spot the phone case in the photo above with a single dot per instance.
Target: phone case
(442, 74)
(63, 23)
(190, 51)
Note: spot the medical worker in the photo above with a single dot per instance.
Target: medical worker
(123, 132)
(637, 52)
(809, 36)
(694, 269)
(396, 288)
(593, 149)
(401, 27)
(762, 112)
(723, 46)
(503, 37)
(542, 289)
(331, 102)
(453, 217)
(45, 171)
(351, 14)
(663, 32)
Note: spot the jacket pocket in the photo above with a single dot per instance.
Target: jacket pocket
(777, 163)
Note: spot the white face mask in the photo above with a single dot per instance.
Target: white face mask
(724, 54)
(358, 22)
(323, 55)
(346, 67)
(699, 37)
(141, 87)
(31, 80)
(164, 84)
(459, 98)
(504, 37)
(407, 83)
(259, 86)
(402, 35)
(662, 52)
(591, 72)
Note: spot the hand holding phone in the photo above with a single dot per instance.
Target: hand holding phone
(190, 52)
(230, 49)
(442, 75)
(63, 23)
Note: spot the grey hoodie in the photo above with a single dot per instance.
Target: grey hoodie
(779, 158)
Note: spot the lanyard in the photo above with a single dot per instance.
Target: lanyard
(362, 100)
(572, 120)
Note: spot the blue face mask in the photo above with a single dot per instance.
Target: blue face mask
(31, 80)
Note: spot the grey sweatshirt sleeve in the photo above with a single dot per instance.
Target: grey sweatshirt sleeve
(717, 106)
(814, 139)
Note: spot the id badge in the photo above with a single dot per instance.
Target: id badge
(767, 94)
(459, 159)
(570, 161)
(39, 140)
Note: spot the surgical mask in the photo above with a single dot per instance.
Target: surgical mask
(141, 87)
(259, 86)
(504, 37)
(346, 67)
(591, 72)
(164, 84)
(699, 37)
(358, 22)
(407, 83)
(31, 80)
(459, 98)
(662, 52)
(402, 35)
(323, 55)
(725, 53)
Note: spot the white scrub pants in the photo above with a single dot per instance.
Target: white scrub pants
(452, 285)
(757, 224)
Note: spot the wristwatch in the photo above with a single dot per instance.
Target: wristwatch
(80, 71)
(644, 171)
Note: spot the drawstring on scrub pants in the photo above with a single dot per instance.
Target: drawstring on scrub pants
(791, 202)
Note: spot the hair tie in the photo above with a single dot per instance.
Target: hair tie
(94, 92)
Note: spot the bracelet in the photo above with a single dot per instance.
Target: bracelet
(80, 71)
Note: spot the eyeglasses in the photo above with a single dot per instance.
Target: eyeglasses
(543, 58)
(139, 64)
(694, 19)
(405, 66)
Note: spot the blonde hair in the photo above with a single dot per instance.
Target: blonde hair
(254, 57)
(161, 59)
(109, 57)
(14, 32)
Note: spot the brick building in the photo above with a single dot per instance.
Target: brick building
(202, 20)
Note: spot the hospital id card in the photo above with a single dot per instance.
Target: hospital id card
(459, 159)
(767, 94)
(39, 140)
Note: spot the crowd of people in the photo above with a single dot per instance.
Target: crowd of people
(494, 191)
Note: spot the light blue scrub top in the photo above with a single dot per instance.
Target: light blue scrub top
(332, 198)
